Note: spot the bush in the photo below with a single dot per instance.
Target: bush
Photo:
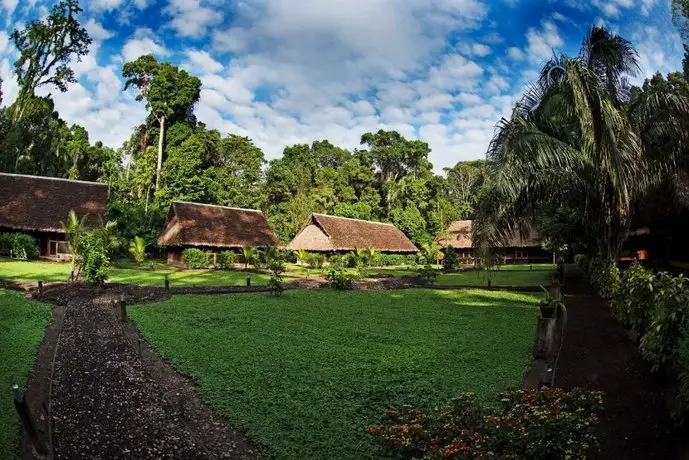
(275, 283)
(315, 260)
(94, 259)
(669, 319)
(388, 260)
(338, 278)
(226, 260)
(428, 274)
(19, 246)
(581, 261)
(451, 260)
(196, 258)
(682, 403)
(632, 305)
(5, 244)
(604, 278)
(534, 424)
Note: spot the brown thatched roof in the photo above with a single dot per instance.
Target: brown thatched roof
(459, 235)
(329, 233)
(42, 204)
(196, 224)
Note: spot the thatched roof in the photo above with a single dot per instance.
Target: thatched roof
(459, 235)
(329, 233)
(34, 203)
(196, 224)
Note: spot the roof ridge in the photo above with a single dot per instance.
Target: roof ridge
(352, 218)
(54, 178)
(217, 206)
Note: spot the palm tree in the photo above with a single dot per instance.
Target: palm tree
(430, 252)
(571, 141)
(369, 254)
(137, 249)
(250, 255)
(302, 256)
(74, 229)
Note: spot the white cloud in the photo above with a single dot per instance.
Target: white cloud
(96, 31)
(515, 53)
(143, 42)
(190, 18)
(203, 61)
(475, 49)
(10, 6)
(541, 43)
(455, 71)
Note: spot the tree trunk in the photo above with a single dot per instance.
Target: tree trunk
(159, 167)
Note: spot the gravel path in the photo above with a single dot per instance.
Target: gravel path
(105, 404)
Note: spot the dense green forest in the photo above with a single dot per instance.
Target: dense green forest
(172, 155)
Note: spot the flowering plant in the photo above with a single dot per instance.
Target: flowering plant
(534, 424)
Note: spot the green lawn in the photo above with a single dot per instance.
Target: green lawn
(19, 270)
(22, 326)
(304, 374)
(507, 276)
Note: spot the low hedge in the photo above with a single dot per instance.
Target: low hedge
(196, 258)
(656, 307)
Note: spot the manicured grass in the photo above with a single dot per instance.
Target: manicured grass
(186, 278)
(22, 326)
(304, 374)
(19, 270)
(502, 277)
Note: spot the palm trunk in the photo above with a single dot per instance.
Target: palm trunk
(159, 167)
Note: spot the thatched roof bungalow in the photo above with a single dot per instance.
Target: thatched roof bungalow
(323, 233)
(519, 248)
(214, 228)
(38, 206)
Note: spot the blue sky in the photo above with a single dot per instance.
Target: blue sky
(291, 71)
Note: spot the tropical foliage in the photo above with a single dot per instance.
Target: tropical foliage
(576, 139)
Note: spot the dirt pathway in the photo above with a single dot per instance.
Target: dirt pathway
(597, 354)
(107, 404)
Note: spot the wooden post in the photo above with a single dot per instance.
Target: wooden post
(40, 289)
(123, 309)
(167, 284)
(248, 280)
(71, 277)
(27, 420)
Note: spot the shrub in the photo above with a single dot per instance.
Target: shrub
(94, 259)
(275, 283)
(338, 278)
(682, 403)
(581, 261)
(389, 260)
(632, 304)
(604, 278)
(196, 258)
(669, 318)
(250, 255)
(451, 260)
(534, 424)
(315, 260)
(5, 244)
(226, 260)
(20, 246)
(137, 248)
(428, 274)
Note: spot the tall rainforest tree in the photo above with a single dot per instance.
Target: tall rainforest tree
(45, 51)
(574, 140)
(166, 90)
